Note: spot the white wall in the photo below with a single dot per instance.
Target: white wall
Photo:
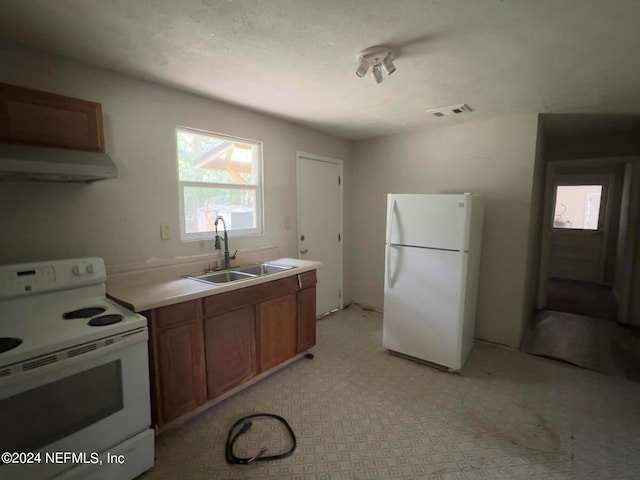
(120, 219)
(493, 158)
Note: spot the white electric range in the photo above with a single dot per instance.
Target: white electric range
(74, 376)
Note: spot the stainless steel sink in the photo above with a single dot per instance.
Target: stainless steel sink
(262, 268)
(240, 273)
(221, 277)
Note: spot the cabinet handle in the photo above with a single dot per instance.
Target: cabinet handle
(299, 282)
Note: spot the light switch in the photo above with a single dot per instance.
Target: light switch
(287, 223)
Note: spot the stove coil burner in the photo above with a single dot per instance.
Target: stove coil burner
(105, 320)
(7, 343)
(83, 313)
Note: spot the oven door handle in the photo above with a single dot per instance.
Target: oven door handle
(122, 342)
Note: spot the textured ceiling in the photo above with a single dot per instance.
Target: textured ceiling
(296, 58)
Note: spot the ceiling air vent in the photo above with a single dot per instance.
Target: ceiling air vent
(452, 110)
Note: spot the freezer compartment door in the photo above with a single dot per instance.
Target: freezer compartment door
(434, 221)
(423, 304)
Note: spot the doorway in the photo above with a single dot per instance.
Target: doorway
(320, 225)
(585, 228)
(583, 207)
(579, 238)
(579, 231)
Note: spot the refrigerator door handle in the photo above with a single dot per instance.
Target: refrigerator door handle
(391, 216)
(388, 264)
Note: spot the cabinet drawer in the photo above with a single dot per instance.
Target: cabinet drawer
(178, 313)
(222, 302)
(308, 279)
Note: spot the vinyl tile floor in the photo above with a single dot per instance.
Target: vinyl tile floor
(360, 412)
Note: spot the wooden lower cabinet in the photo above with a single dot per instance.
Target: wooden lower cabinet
(179, 376)
(276, 331)
(205, 348)
(230, 350)
(306, 304)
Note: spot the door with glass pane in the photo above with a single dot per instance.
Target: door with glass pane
(578, 233)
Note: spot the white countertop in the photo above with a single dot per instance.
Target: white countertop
(154, 294)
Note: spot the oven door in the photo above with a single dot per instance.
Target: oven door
(84, 405)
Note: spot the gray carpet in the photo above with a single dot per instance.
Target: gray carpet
(593, 343)
(361, 413)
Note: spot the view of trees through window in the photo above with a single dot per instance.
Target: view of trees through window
(218, 175)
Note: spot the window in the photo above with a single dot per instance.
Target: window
(218, 176)
(577, 207)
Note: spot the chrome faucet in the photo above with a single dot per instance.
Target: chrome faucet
(227, 257)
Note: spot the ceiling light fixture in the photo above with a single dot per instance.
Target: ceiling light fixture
(362, 68)
(376, 58)
(377, 74)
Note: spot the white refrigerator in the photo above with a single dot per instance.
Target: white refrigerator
(432, 260)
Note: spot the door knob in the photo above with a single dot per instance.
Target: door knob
(303, 251)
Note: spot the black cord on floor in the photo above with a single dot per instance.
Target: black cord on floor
(259, 457)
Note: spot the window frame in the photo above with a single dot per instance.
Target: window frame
(258, 187)
(572, 180)
(600, 205)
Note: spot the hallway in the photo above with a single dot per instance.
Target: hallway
(578, 326)
(583, 298)
(596, 344)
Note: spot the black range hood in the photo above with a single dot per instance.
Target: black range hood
(23, 163)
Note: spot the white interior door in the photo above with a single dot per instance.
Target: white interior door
(320, 225)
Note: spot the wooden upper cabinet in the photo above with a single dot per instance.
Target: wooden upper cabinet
(46, 119)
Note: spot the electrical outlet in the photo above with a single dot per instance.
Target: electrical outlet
(287, 223)
(165, 232)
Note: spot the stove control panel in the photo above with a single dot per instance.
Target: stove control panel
(39, 277)
(84, 268)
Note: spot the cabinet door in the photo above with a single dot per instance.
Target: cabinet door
(180, 370)
(42, 118)
(230, 350)
(306, 319)
(276, 322)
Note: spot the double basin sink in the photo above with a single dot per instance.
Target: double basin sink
(240, 273)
